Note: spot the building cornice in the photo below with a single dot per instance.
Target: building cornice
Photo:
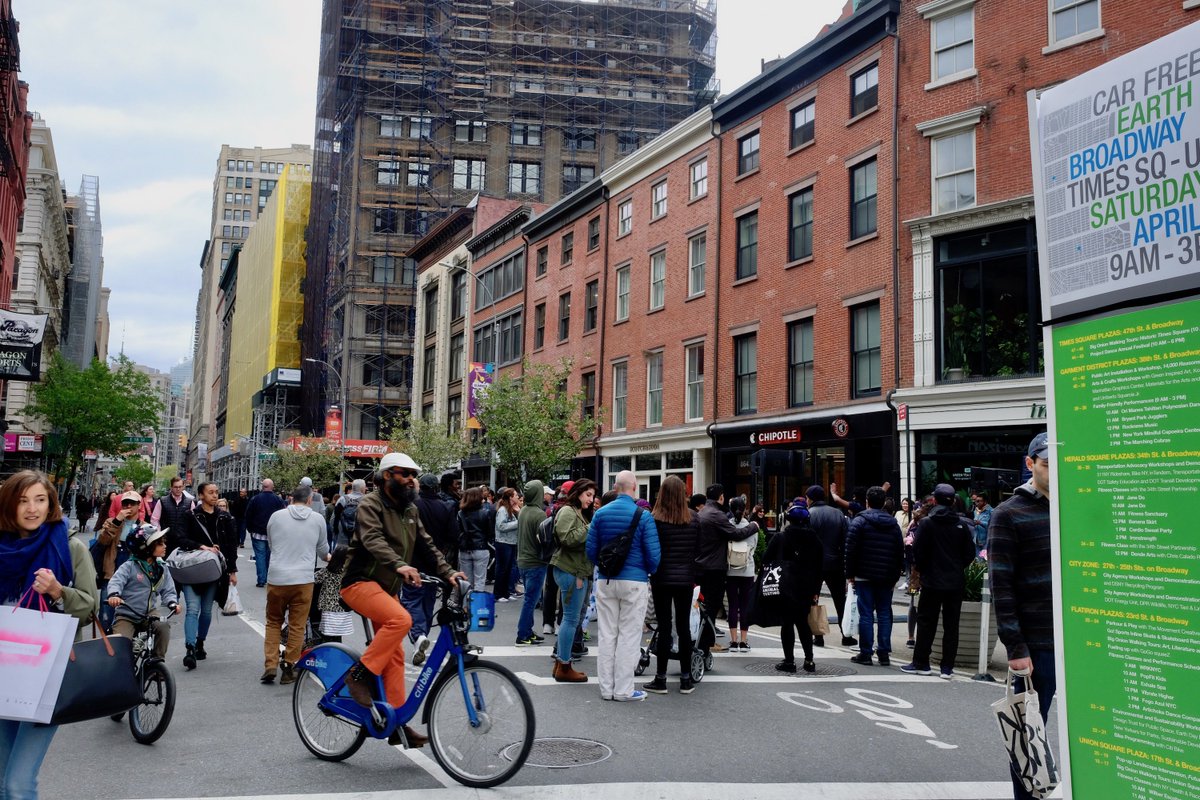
(673, 144)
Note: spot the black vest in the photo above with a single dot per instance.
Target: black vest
(174, 516)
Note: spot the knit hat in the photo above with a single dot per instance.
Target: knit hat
(428, 481)
(797, 512)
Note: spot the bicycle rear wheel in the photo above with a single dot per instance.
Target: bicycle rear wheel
(149, 721)
(492, 752)
(326, 735)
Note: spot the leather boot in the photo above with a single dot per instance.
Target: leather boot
(201, 654)
(359, 680)
(415, 739)
(565, 673)
(189, 658)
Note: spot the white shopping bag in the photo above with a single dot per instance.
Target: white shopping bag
(694, 616)
(1024, 736)
(34, 648)
(233, 603)
(849, 621)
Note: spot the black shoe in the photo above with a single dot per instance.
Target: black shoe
(358, 684)
(658, 685)
(862, 658)
(415, 740)
(786, 666)
(580, 653)
(849, 641)
(268, 676)
(884, 660)
(189, 658)
(818, 641)
(289, 674)
(686, 684)
(809, 666)
(201, 654)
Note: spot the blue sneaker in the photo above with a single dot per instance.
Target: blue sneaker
(914, 669)
(637, 695)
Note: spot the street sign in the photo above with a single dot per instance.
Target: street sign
(139, 439)
(902, 412)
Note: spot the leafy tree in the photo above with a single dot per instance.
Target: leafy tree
(313, 459)
(136, 469)
(162, 479)
(92, 409)
(534, 426)
(427, 442)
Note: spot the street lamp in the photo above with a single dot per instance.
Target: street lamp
(345, 415)
(494, 324)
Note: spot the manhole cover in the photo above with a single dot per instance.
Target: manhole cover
(823, 670)
(560, 753)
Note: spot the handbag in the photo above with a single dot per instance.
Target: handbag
(1024, 736)
(233, 603)
(766, 601)
(100, 680)
(818, 620)
(34, 646)
(337, 623)
(195, 566)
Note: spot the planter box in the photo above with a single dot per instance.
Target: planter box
(967, 657)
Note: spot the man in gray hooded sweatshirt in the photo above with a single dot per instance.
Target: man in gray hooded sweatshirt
(297, 539)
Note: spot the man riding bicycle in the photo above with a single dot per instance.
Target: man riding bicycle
(388, 539)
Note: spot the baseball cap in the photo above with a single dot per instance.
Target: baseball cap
(306, 481)
(1040, 446)
(566, 487)
(943, 493)
(428, 481)
(128, 496)
(397, 461)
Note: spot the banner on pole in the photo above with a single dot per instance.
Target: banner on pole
(21, 345)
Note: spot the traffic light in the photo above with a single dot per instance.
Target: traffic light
(233, 445)
(182, 441)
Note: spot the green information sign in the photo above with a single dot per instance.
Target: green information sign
(1127, 403)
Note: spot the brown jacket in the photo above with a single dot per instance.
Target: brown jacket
(110, 537)
(386, 539)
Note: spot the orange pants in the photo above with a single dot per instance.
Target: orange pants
(385, 655)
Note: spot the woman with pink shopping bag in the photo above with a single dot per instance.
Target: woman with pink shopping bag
(37, 560)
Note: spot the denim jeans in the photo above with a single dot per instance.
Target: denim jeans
(874, 598)
(418, 601)
(505, 555)
(23, 745)
(262, 559)
(107, 613)
(1044, 683)
(199, 601)
(572, 605)
(533, 577)
(474, 563)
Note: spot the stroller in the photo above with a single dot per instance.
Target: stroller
(704, 635)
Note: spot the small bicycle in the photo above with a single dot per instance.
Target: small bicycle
(149, 720)
(480, 718)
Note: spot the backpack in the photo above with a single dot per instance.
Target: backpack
(545, 537)
(349, 516)
(611, 558)
(738, 554)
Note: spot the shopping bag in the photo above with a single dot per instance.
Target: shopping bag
(1024, 736)
(337, 623)
(34, 647)
(818, 620)
(100, 680)
(233, 603)
(694, 615)
(850, 622)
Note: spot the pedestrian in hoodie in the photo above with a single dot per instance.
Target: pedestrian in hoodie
(296, 536)
(529, 560)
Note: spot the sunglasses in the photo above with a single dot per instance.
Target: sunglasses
(403, 473)
(129, 502)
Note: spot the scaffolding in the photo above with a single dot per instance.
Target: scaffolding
(423, 105)
(87, 274)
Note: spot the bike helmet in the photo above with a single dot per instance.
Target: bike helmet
(141, 541)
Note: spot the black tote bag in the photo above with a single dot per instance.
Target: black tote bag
(100, 681)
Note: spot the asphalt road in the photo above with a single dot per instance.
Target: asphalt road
(747, 732)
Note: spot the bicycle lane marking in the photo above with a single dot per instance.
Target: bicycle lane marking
(417, 757)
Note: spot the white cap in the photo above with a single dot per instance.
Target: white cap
(394, 460)
(306, 481)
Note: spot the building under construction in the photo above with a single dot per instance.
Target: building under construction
(423, 105)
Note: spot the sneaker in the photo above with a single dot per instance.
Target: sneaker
(786, 666)
(862, 658)
(637, 696)
(914, 669)
(538, 639)
(580, 653)
(818, 641)
(686, 684)
(502, 599)
(745, 647)
(421, 650)
(530, 641)
(809, 666)
(884, 659)
(946, 674)
(548, 629)
(658, 685)
(849, 641)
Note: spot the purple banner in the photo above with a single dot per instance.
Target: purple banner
(479, 379)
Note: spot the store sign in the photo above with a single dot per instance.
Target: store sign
(21, 345)
(22, 443)
(352, 448)
(841, 428)
(644, 448)
(776, 436)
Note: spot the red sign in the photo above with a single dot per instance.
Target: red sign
(776, 436)
(841, 428)
(902, 412)
(333, 424)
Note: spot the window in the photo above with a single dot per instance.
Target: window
(568, 248)
(800, 225)
(502, 280)
(863, 191)
(229, 197)
(954, 171)
(747, 245)
(539, 326)
(388, 173)
(800, 363)
(431, 300)
(390, 126)
(420, 127)
(505, 349)
(658, 280)
(654, 388)
(474, 130)
(458, 366)
(803, 123)
(658, 200)
(387, 220)
(588, 387)
(526, 133)
(380, 370)
(591, 306)
(383, 269)
(625, 218)
(694, 402)
(564, 316)
(864, 90)
(469, 172)
(543, 260)
(864, 347)
(745, 373)
(576, 175)
(231, 182)
(418, 172)
(524, 177)
(458, 295)
(748, 153)
(454, 414)
(1070, 18)
(241, 166)
(620, 393)
(697, 256)
(580, 140)
(416, 221)
(627, 142)
(429, 370)
(225, 231)
(622, 293)
(699, 178)
(231, 164)
(593, 233)
(953, 44)
(382, 319)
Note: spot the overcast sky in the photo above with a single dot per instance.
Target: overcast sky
(143, 95)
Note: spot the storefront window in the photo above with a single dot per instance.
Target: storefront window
(648, 463)
(991, 459)
(618, 463)
(679, 459)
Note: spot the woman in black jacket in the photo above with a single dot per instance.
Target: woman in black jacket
(801, 555)
(671, 586)
(475, 534)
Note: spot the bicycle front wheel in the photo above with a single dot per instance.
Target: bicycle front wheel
(326, 735)
(493, 751)
(149, 721)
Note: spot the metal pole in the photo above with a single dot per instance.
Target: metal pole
(342, 393)
(984, 654)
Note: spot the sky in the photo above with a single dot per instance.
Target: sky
(143, 95)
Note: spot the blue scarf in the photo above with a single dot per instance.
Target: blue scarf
(21, 558)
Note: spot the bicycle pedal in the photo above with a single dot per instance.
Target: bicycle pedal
(473, 648)
(378, 717)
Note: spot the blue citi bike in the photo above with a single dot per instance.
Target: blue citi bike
(480, 718)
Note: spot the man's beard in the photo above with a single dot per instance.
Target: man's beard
(400, 493)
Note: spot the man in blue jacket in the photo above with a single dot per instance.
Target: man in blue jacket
(258, 514)
(874, 561)
(621, 598)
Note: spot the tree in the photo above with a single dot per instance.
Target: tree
(427, 442)
(162, 479)
(136, 469)
(534, 426)
(313, 458)
(96, 408)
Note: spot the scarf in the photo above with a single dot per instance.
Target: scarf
(21, 558)
(153, 570)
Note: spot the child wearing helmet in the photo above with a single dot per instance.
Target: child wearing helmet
(133, 587)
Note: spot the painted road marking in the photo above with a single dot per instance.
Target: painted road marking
(875, 706)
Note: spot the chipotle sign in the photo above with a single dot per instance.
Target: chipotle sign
(776, 436)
